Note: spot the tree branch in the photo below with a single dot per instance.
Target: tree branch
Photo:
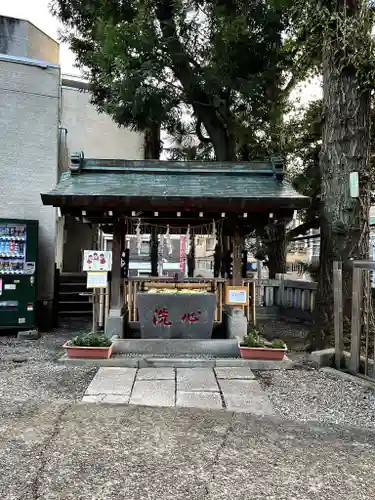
(198, 131)
(202, 104)
(290, 86)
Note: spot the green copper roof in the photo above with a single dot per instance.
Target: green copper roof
(171, 184)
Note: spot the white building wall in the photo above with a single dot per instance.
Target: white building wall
(29, 104)
(96, 134)
(20, 38)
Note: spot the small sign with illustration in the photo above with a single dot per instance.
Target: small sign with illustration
(236, 296)
(97, 260)
(98, 279)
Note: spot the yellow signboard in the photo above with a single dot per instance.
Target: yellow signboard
(97, 279)
(236, 295)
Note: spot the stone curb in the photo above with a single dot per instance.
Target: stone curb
(147, 362)
(347, 376)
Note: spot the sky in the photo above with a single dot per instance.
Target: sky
(37, 12)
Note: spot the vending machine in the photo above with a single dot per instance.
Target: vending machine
(18, 266)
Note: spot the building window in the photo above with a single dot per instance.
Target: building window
(144, 248)
(205, 264)
(210, 244)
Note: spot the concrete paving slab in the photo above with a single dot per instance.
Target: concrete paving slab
(258, 364)
(116, 361)
(205, 400)
(257, 406)
(242, 372)
(246, 396)
(115, 399)
(153, 393)
(196, 380)
(240, 388)
(178, 362)
(62, 452)
(112, 381)
(93, 399)
(156, 374)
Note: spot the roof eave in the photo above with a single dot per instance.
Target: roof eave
(211, 204)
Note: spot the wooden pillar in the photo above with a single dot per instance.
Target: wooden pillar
(115, 300)
(154, 243)
(217, 260)
(191, 257)
(237, 257)
(224, 257)
(244, 263)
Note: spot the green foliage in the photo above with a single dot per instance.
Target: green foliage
(148, 61)
(277, 344)
(90, 340)
(252, 338)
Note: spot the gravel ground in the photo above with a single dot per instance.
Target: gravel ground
(310, 395)
(29, 372)
(28, 369)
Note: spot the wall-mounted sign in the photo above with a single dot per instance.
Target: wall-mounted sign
(97, 279)
(97, 260)
(236, 295)
(354, 184)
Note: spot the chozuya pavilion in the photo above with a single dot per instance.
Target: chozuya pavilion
(228, 200)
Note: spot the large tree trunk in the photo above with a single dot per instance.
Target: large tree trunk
(276, 249)
(152, 143)
(344, 220)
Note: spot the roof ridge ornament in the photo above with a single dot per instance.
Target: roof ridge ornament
(277, 162)
(76, 162)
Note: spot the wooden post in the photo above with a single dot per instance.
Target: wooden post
(253, 302)
(355, 342)
(154, 243)
(94, 310)
(244, 264)
(217, 260)
(115, 299)
(225, 248)
(338, 312)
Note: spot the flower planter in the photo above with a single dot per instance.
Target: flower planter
(266, 353)
(75, 351)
